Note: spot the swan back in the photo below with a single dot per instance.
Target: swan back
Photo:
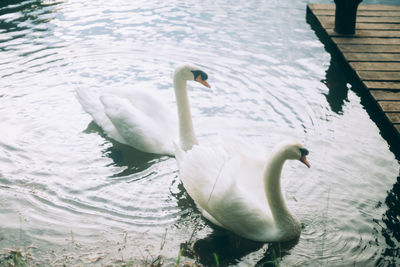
(223, 185)
(139, 119)
(146, 131)
(91, 103)
(239, 192)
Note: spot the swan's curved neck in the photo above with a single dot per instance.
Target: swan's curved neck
(186, 132)
(272, 184)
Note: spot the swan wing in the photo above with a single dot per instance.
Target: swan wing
(228, 187)
(152, 105)
(199, 168)
(241, 213)
(239, 196)
(210, 172)
(146, 131)
(91, 103)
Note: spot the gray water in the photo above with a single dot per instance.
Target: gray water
(70, 195)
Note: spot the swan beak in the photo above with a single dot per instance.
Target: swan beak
(203, 82)
(305, 161)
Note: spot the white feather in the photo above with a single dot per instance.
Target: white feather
(240, 192)
(139, 118)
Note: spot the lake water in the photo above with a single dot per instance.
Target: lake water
(70, 195)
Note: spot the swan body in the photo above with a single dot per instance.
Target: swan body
(140, 119)
(240, 192)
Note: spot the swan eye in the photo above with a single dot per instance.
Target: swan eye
(203, 75)
(304, 152)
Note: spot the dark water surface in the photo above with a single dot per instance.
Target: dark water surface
(69, 195)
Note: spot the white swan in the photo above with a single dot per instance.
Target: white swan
(239, 192)
(140, 119)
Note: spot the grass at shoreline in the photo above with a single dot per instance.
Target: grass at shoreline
(20, 258)
(15, 258)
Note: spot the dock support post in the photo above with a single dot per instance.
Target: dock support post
(345, 16)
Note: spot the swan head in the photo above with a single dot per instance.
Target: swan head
(295, 151)
(189, 72)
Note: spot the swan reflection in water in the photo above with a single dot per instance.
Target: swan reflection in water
(228, 248)
(130, 159)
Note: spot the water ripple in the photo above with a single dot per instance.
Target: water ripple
(62, 179)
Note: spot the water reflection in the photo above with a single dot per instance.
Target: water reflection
(33, 13)
(391, 232)
(336, 81)
(227, 248)
(27, 36)
(62, 181)
(130, 159)
(184, 201)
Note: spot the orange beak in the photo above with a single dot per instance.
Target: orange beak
(305, 161)
(203, 82)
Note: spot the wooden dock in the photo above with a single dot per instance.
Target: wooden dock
(372, 53)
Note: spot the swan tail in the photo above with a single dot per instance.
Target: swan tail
(91, 103)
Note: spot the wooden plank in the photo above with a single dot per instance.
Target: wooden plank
(382, 85)
(378, 19)
(379, 75)
(385, 95)
(370, 48)
(374, 57)
(393, 117)
(361, 13)
(377, 13)
(370, 20)
(330, 24)
(368, 40)
(367, 33)
(360, 7)
(316, 7)
(377, 26)
(376, 66)
(365, 26)
(379, 7)
(373, 52)
(390, 106)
